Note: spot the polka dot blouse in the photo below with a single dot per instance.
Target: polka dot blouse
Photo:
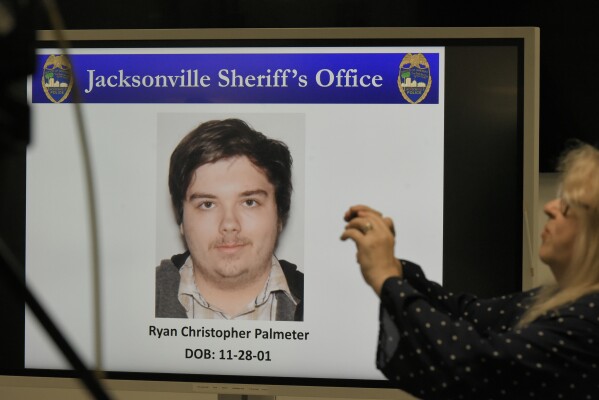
(437, 345)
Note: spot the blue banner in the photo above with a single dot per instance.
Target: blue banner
(343, 78)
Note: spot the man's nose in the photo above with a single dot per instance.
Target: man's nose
(230, 220)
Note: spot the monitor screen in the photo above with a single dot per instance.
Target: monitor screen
(436, 128)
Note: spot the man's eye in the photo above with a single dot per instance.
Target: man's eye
(206, 205)
(250, 203)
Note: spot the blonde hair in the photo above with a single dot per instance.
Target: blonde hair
(580, 190)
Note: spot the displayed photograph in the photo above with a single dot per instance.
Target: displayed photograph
(231, 189)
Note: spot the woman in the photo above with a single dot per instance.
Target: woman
(540, 344)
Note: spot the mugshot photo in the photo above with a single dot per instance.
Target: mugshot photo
(230, 192)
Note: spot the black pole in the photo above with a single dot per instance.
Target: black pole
(9, 270)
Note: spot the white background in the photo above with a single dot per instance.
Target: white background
(386, 156)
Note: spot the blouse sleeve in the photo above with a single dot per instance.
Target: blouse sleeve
(487, 314)
(445, 348)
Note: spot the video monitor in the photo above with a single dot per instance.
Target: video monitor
(433, 127)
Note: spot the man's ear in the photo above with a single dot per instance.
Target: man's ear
(181, 229)
(279, 227)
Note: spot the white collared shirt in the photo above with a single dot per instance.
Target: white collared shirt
(263, 308)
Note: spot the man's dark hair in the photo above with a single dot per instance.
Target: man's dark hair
(220, 139)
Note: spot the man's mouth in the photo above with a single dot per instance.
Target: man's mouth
(230, 248)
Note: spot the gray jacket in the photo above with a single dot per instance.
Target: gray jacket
(167, 289)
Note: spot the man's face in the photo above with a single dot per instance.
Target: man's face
(558, 237)
(230, 222)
